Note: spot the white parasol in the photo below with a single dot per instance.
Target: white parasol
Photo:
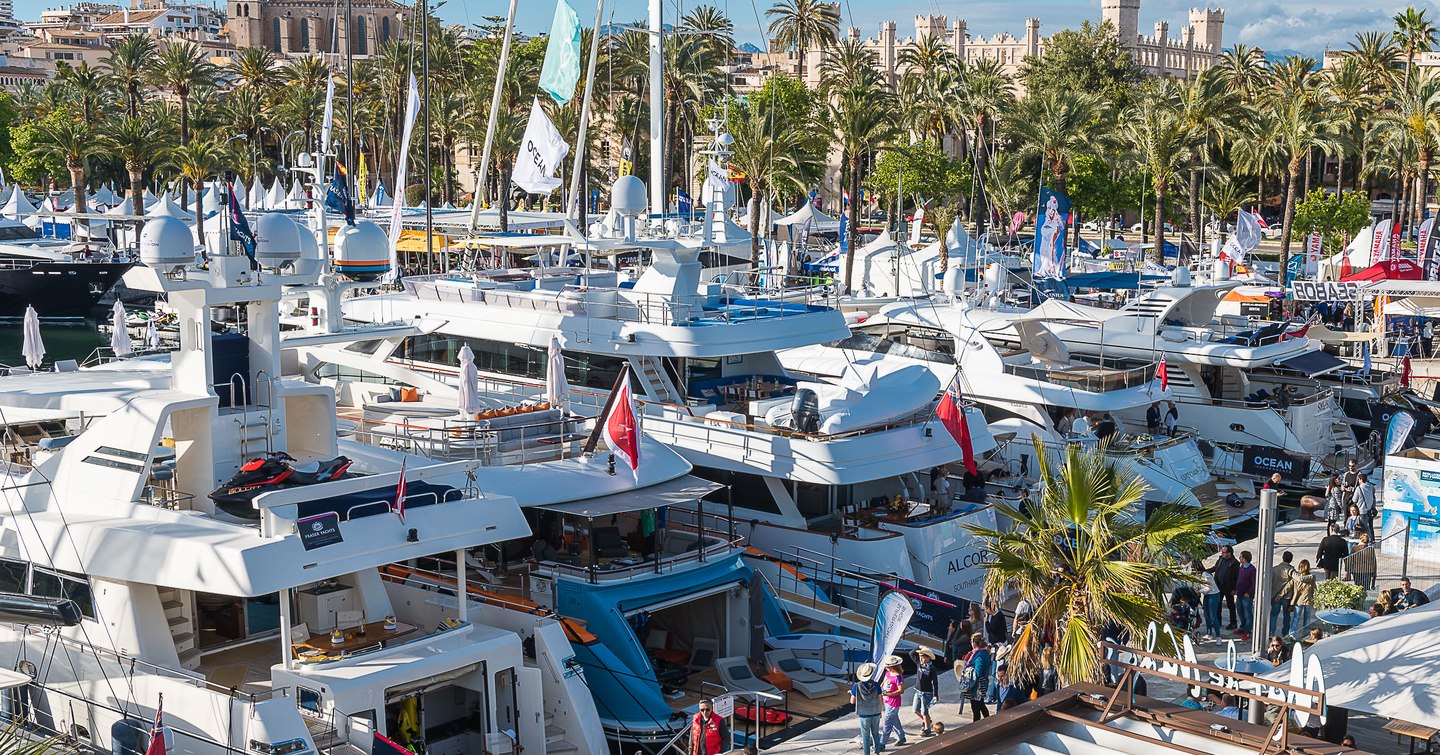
(557, 390)
(469, 382)
(119, 333)
(33, 348)
(152, 335)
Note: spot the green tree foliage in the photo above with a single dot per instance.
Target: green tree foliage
(25, 163)
(1336, 216)
(1088, 59)
(920, 170)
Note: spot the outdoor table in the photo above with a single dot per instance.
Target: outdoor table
(1413, 731)
(375, 634)
(1342, 617)
(1245, 665)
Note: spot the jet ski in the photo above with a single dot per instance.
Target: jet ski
(273, 471)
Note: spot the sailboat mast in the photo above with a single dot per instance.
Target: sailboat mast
(425, 98)
(349, 98)
(657, 109)
(482, 172)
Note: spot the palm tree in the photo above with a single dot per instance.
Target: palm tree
(930, 87)
(182, 67)
(1355, 96)
(1414, 117)
(1300, 124)
(129, 64)
(774, 154)
(861, 119)
(72, 142)
(1084, 555)
(1162, 143)
(89, 87)
(712, 22)
(1375, 51)
(1244, 70)
(1008, 185)
(254, 68)
(1223, 198)
(137, 141)
(803, 25)
(197, 161)
(1057, 126)
(1413, 33)
(985, 95)
(1210, 111)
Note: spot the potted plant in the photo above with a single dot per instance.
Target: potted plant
(1334, 593)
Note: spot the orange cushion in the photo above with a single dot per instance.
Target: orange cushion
(409, 394)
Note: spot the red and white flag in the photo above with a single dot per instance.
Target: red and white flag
(157, 734)
(1164, 374)
(951, 412)
(400, 492)
(1405, 371)
(622, 425)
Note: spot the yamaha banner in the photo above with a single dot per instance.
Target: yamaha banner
(1263, 461)
(1048, 260)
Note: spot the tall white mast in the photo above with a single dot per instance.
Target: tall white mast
(482, 172)
(657, 109)
(577, 174)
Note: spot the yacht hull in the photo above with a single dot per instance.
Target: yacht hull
(58, 289)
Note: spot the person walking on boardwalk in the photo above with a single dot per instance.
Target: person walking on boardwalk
(865, 696)
(973, 672)
(892, 689)
(927, 687)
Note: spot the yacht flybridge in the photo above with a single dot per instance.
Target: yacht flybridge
(283, 629)
(1213, 365)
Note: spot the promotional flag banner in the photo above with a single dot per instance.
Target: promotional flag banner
(541, 151)
(1245, 239)
(715, 183)
(1429, 255)
(362, 176)
(1048, 259)
(1394, 258)
(328, 121)
(627, 157)
(683, 203)
(1379, 237)
(412, 109)
(1396, 435)
(892, 618)
(1314, 249)
(561, 70)
(240, 228)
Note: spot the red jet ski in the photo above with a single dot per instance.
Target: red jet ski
(273, 471)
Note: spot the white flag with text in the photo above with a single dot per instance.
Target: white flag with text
(541, 152)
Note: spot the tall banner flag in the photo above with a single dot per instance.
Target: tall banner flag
(1048, 260)
(1398, 432)
(1294, 268)
(627, 157)
(561, 70)
(951, 413)
(328, 121)
(1245, 239)
(1379, 237)
(240, 227)
(542, 149)
(362, 177)
(715, 183)
(1314, 248)
(1394, 258)
(337, 197)
(621, 427)
(892, 618)
(412, 109)
(683, 203)
(1429, 255)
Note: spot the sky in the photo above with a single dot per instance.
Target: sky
(1308, 26)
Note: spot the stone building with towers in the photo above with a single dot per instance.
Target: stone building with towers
(307, 27)
(1196, 48)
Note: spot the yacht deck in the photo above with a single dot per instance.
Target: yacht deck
(242, 666)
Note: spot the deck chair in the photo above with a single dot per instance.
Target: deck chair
(298, 633)
(608, 543)
(735, 674)
(703, 651)
(808, 683)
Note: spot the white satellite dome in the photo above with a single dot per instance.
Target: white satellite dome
(277, 240)
(628, 196)
(362, 251)
(166, 243)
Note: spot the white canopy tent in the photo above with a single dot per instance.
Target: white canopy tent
(275, 200)
(790, 227)
(1386, 666)
(256, 199)
(18, 206)
(167, 206)
(296, 199)
(150, 199)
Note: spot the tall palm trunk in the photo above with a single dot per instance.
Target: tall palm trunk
(503, 201)
(1422, 190)
(184, 140)
(137, 186)
(77, 183)
(754, 207)
(1159, 251)
(853, 168)
(1291, 188)
(200, 219)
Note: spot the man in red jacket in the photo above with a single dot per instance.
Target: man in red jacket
(707, 732)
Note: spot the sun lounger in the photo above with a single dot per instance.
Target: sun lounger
(808, 683)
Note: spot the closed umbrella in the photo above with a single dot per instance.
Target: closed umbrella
(33, 348)
(119, 333)
(152, 335)
(469, 382)
(557, 391)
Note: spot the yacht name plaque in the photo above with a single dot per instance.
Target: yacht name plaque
(319, 531)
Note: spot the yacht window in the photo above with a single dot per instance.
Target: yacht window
(307, 699)
(698, 369)
(812, 499)
(350, 374)
(514, 359)
(58, 584)
(12, 575)
(366, 347)
(747, 491)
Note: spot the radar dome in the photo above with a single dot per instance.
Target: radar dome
(277, 240)
(628, 196)
(166, 243)
(362, 251)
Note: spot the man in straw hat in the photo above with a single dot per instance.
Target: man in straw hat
(927, 687)
(892, 689)
(865, 696)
